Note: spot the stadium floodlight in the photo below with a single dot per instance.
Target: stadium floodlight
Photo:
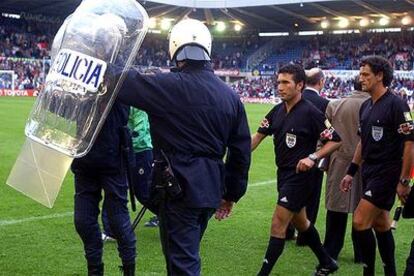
(152, 23)
(305, 33)
(343, 23)
(237, 27)
(166, 24)
(324, 24)
(11, 15)
(406, 20)
(384, 21)
(364, 22)
(339, 32)
(220, 26)
(274, 34)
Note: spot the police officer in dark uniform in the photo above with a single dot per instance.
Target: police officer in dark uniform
(296, 126)
(385, 152)
(195, 120)
(315, 82)
(103, 168)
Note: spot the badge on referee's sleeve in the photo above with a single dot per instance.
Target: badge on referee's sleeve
(407, 116)
(328, 124)
(327, 134)
(264, 123)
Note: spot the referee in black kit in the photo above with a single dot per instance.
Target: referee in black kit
(385, 152)
(296, 126)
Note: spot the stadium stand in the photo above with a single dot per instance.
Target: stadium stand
(24, 49)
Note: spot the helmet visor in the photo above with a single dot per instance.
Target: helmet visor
(192, 52)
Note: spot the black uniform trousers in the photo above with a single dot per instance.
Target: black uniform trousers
(312, 207)
(141, 181)
(409, 270)
(181, 230)
(88, 187)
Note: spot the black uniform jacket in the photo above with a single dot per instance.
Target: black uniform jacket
(296, 133)
(105, 155)
(384, 127)
(196, 119)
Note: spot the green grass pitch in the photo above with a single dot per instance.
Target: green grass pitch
(35, 240)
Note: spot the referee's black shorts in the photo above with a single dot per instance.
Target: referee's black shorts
(380, 183)
(294, 189)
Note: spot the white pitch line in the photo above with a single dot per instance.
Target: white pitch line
(262, 183)
(23, 220)
(68, 214)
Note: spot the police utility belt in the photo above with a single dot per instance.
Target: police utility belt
(165, 185)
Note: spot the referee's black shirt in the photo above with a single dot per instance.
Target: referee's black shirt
(296, 133)
(384, 127)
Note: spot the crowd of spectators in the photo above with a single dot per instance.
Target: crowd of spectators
(227, 52)
(346, 51)
(28, 73)
(23, 39)
(335, 88)
(261, 87)
(24, 49)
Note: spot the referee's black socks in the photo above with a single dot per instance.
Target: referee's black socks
(366, 242)
(273, 252)
(313, 240)
(386, 247)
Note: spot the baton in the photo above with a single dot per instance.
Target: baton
(126, 148)
(140, 215)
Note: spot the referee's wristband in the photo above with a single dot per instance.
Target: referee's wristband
(352, 169)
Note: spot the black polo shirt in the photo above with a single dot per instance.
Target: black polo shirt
(384, 127)
(296, 133)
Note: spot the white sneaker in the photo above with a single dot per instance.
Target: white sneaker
(106, 238)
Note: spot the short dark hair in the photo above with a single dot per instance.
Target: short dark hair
(357, 84)
(313, 78)
(296, 70)
(378, 65)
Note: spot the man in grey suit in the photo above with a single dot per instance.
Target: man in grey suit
(344, 117)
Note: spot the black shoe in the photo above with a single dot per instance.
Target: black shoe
(96, 270)
(323, 270)
(128, 270)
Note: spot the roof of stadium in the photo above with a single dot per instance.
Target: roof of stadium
(261, 15)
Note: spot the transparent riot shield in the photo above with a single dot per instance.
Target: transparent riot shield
(79, 89)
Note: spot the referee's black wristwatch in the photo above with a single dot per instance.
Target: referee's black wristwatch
(405, 181)
(313, 157)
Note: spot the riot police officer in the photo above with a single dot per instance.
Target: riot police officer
(195, 120)
(103, 168)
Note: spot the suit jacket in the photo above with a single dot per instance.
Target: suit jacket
(315, 99)
(344, 117)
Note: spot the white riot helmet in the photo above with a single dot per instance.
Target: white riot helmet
(190, 39)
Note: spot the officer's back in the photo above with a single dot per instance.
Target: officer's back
(193, 115)
(105, 154)
(195, 120)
